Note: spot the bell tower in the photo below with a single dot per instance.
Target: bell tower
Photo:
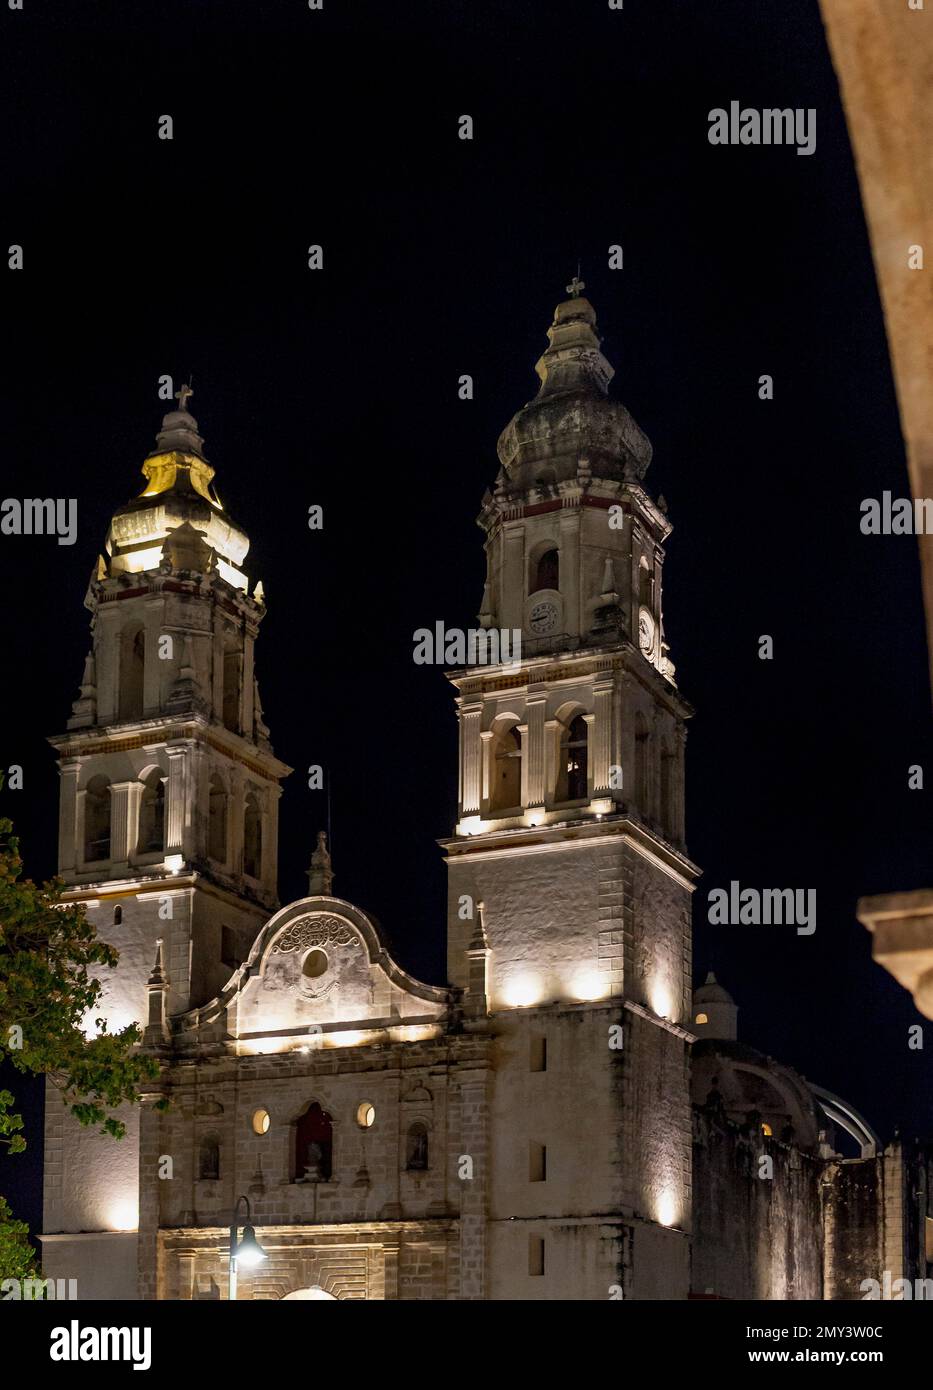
(569, 884)
(169, 787)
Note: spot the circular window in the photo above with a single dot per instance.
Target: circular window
(261, 1121)
(314, 964)
(365, 1115)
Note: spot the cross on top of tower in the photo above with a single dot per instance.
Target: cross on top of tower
(576, 286)
(182, 396)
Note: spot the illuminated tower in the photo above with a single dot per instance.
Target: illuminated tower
(570, 836)
(168, 804)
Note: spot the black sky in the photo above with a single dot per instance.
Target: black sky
(340, 388)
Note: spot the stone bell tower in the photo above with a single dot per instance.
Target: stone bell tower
(169, 786)
(569, 885)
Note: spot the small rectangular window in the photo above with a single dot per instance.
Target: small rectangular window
(537, 1052)
(536, 1255)
(537, 1162)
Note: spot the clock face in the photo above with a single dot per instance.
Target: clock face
(646, 631)
(543, 617)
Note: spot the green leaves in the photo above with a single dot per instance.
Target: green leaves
(49, 956)
(17, 1257)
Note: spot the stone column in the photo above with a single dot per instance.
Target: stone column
(680, 746)
(638, 541)
(390, 1256)
(158, 674)
(217, 669)
(122, 822)
(235, 821)
(552, 732)
(570, 577)
(522, 731)
(470, 759)
(474, 1108)
(247, 672)
(176, 795)
(486, 743)
(600, 736)
(533, 752)
(107, 653)
(512, 582)
(67, 816)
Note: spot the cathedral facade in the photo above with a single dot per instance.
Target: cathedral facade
(525, 1131)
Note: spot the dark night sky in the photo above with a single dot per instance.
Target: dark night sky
(340, 388)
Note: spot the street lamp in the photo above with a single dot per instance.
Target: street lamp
(248, 1252)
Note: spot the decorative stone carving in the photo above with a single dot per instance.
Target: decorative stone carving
(316, 930)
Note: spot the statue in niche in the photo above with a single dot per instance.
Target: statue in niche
(314, 1171)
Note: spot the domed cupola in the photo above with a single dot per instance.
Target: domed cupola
(571, 416)
(715, 1012)
(178, 514)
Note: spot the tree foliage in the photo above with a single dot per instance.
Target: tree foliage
(49, 1023)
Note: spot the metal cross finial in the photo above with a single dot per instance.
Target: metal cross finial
(182, 396)
(576, 285)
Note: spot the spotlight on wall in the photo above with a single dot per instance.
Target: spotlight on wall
(123, 1215)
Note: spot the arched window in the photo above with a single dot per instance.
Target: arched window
(572, 781)
(547, 575)
(132, 672)
(645, 584)
(152, 815)
(233, 667)
(252, 837)
(209, 1160)
(507, 771)
(217, 821)
(314, 1145)
(97, 820)
(416, 1147)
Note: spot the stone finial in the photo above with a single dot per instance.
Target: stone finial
(260, 727)
(185, 548)
(179, 432)
(84, 709)
(156, 1033)
(572, 360)
(186, 691)
(476, 999)
(609, 593)
(478, 940)
(321, 873)
(485, 616)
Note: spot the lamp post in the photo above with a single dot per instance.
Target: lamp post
(248, 1252)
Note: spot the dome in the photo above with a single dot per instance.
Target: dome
(572, 416)
(715, 1012)
(712, 992)
(178, 508)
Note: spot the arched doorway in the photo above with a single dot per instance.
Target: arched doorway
(314, 1291)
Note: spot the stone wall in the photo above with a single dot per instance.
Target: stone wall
(440, 1084)
(754, 1237)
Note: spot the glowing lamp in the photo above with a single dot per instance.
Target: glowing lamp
(249, 1252)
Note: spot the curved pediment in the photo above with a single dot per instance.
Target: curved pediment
(317, 969)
